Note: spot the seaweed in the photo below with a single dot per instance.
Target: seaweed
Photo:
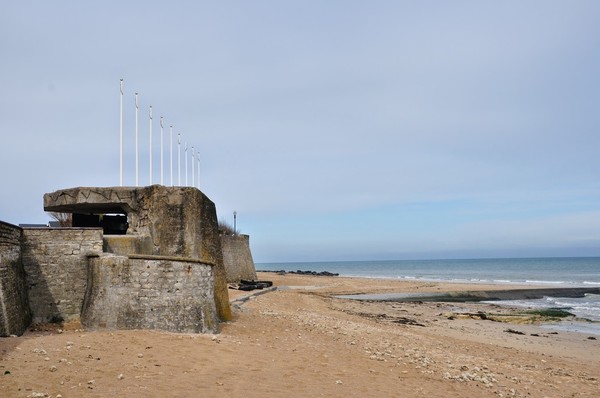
(550, 313)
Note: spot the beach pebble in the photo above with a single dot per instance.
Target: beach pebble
(53, 368)
(37, 395)
(120, 376)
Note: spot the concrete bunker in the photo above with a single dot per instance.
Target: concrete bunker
(153, 223)
(133, 258)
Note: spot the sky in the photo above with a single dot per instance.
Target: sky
(337, 130)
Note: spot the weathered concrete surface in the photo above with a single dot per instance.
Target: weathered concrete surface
(179, 221)
(55, 262)
(15, 315)
(127, 244)
(237, 258)
(149, 293)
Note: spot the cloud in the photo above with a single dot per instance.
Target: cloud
(313, 111)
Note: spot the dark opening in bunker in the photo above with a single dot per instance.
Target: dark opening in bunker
(112, 224)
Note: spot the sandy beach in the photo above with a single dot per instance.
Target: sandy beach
(299, 340)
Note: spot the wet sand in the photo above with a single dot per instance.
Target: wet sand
(301, 341)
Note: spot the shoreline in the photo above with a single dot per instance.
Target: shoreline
(479, 295)
(504, 293)
(540, 283)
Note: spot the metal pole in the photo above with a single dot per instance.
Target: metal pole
(171, 155)
(161, 153)
(193, 168)
(186, 165)
(198, 160)
(179, 159)
(235, 222)
(137, 180)
(121, 135)
(150, 144)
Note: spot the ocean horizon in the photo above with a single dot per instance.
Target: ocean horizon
(568, 271)
(557, 272)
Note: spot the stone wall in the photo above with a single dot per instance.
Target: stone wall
(237, 258)
(14, 307)
(150, 292)
(55, 261)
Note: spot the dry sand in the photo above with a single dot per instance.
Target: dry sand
(302, 342)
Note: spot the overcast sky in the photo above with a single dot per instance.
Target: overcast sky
(338, 130)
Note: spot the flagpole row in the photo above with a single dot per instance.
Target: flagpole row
(195, 155)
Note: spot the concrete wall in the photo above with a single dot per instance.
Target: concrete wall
(55, 261)
(14, 307)
(237, 258)
(150, 292)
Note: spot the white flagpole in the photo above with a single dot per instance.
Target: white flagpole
(178, 159)
(161, 152)
(137, 181)
(121, 135)
(150, 114)
(193, 168)
(171, 153)
(186, 165)
(198, 160)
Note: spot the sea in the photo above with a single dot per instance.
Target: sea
(555, 272)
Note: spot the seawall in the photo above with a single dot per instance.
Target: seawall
(237, 258)
(15, 315)
(150, 292)
(55, 261)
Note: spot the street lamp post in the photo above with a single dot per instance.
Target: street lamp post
(234, 223)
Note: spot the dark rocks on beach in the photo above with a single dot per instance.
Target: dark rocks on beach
(513, 331)
(300, 272)
(249, 285)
